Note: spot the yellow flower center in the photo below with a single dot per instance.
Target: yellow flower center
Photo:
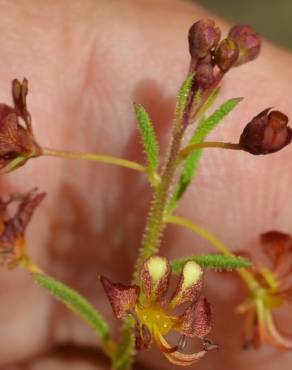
(155, 318)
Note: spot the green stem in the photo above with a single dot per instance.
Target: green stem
(207, 144)
(94, 157)
(155, 223)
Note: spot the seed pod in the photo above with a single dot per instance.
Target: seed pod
(266, 133)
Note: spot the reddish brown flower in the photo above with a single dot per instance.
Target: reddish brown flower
(12, 227)
(153, 312)
(266, 133)
(17, 142)
(249, 42)
(270, 287)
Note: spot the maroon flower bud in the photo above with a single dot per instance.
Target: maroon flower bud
(249, 42)
(226, 54)
(266, 133)
(203, 36)
(205, 75)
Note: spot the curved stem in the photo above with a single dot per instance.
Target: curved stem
(94, 157)
(208, 144)
(221, 247)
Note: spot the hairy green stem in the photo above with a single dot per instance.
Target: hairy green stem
(155, 223)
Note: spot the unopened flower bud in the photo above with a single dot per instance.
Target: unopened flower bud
(266, 133)
(226, 54)
(203, 36)
(205, 75)
(249, 42)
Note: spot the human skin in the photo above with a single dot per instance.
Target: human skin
(86, 63)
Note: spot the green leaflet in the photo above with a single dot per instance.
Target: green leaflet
(191, 163)
(149, 139)
(124, 357)
(75, 302)
(183, 98)
(212, 261)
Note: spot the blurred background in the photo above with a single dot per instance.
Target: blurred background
(272, 18)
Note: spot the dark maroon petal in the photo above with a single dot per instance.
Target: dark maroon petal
(196, 320)
(143, 337)
(155, 275)
(266, 133)
(276, 245)
(122, 297)
(19, 94)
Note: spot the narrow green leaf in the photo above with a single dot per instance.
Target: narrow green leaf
(125, 354)
(203, 130)
(75, 302)
(149, 139)
(212, 261)
(208, 124)
(183, 97)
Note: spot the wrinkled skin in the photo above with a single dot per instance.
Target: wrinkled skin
(86, 62)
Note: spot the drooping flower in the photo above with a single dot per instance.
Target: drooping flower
(270, 288)
(154, 313)
(266, 133)
(17, 142)
(12, 227)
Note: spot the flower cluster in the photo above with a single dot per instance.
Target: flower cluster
(154, 313)
(271, 289)
(12, 228)
(208, 52)
(17, 142)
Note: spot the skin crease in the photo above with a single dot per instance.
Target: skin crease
(86, 62)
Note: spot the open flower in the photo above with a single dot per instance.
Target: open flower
(17, 142)
(12, 227)
(266, 133)
(154, 313)
(270, 289)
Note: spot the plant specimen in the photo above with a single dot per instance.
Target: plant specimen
(148, 314)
